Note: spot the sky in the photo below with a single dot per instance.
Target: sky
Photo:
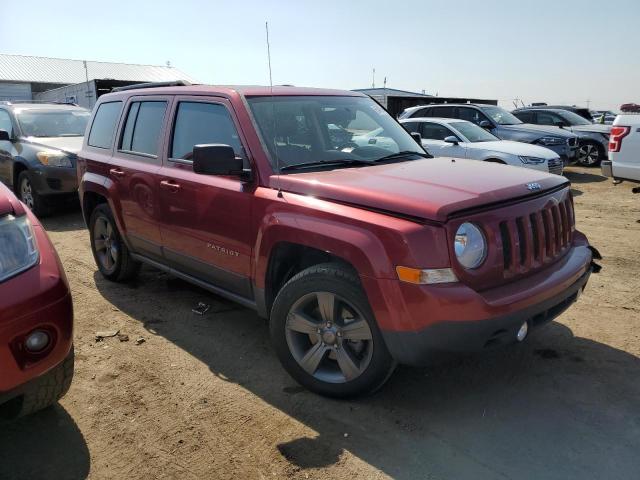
(564, 51)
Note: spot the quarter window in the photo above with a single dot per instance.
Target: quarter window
(104, 125)
(143, 126)
(203, 123)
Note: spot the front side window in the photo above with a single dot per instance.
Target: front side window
(501, 116)
(473, 133)
(200, 123)
(434, 131)
(573, 118)
(545, 118)
(472, 115)
(52, 123)
(142, 129)
(299, 130)
(5, 122)
(104, 125)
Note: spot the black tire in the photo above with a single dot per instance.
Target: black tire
(333, 279)
(28, 195)
(121, 267)
(48, 389)
(590, 154)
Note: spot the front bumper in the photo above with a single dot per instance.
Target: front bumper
(54, 180)
(38, 298)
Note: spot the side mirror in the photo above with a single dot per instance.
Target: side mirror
(485, 124)
(216, 159)
(4, 136)
(417, 137)
(452, 139)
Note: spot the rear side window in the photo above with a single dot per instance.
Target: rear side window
(442, 112)
(143, 126)
(104, 125)
(202, 123)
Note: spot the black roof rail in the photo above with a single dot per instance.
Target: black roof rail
(137, 86)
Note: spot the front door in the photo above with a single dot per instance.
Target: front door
(206, 228)
(433, 135)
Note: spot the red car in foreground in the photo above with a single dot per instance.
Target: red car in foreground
(36, 314)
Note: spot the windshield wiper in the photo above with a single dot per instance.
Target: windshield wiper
(324, 163)
(401, 155)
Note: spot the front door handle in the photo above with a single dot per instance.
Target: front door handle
(170, 185)
(116, 172)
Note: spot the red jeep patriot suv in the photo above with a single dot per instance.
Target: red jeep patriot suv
(318, 210)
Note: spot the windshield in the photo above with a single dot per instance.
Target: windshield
(573, 118)
(473, 133)
(501, 116)
(310, 129)
(53, 123)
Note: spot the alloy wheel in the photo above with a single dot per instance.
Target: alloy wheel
(105, 243)
(328, 337)
(26, 193)
(588, 154)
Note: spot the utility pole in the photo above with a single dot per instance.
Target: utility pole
(385, 92)
(86, 76)
(588, 103)
(373, 80)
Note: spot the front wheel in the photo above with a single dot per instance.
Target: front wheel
(590, 154)
(28, 195)
(326, 336)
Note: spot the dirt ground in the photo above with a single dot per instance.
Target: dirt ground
(205, 397)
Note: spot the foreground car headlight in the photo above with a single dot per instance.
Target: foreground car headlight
(18, 247)
(531, 160)
(551, 140)
(54, 159)
(470, 246)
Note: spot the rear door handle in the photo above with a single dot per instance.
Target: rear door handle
(116, 172)
(170, 185)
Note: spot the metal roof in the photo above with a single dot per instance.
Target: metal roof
(19, 68)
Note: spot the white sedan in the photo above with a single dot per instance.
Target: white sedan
(450, 137)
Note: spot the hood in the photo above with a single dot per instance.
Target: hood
(66, 144)
(538, 129)
(431, 189)
(595, 128)
(9, 204)
(514, 148)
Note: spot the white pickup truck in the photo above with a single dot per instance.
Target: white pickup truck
(624, 149)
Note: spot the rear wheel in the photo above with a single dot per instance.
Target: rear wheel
(590, 154)
(326, 336)
(109, 251)
(28, 195)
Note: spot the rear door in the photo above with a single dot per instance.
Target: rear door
(206, 227)
(134, 171)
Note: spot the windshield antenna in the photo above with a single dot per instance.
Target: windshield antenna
(273, 110)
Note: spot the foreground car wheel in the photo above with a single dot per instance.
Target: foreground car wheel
(109, 251)
(589, 154)
(29, 196)
(325, 334)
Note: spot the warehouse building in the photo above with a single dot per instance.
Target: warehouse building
(77, 81)
(395, 101)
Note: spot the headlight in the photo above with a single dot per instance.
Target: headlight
(550, 140)
(532, 160)
(470, 246)
(18, 247)
(54, 159)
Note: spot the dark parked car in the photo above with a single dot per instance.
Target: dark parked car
(36, 314)
(503, 125)
(362, 254)
(38, 145)
(593, 138)
(583, 112)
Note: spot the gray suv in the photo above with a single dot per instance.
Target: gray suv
(593, 143)
(503, 125)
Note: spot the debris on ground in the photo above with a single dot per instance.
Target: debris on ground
(201, 308)
(140, 340)
(101, 335)
(123, 338)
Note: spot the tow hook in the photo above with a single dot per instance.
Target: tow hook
(595, 255)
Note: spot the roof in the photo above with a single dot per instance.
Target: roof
(390, 92)
(434, 120)
(20, 68)
(40, 106)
